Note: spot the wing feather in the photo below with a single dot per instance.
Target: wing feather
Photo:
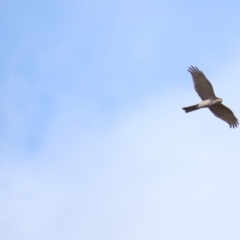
(201, 84)
(224, 113)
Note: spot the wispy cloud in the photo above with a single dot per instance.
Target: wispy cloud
(94, 143)
(154, 169)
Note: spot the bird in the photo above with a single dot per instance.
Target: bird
(205, 91)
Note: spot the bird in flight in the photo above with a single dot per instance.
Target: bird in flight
(205, 91)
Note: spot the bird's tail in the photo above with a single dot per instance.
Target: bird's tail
(191, 108)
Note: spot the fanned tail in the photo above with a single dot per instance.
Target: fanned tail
(191, 108)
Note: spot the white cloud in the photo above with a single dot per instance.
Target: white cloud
(156, 172)
(148, 172)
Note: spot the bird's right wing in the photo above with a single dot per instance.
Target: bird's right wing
(223, 112)
(201, 84)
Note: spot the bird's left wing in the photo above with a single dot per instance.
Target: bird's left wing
(201, 84)
(221, 111)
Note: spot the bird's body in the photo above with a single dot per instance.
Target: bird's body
(204, 104)
(205, 91)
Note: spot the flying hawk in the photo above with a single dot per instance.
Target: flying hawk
(205, 91)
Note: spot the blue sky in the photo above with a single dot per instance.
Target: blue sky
(94, 143)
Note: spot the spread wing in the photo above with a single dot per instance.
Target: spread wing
(201, 84)
(221, 111)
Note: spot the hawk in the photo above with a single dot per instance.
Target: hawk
(205, 91)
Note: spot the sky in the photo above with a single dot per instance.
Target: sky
(94, 143)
